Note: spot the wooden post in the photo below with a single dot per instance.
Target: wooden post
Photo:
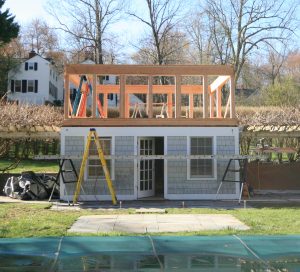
(211, 105)
(205, 96)
(170, 105)
(232, 97)
(150, 97)
(178, 97)
(191, 106)
(122, 96)
(219, 102)
(105, 105)
(94, 100)
(127, 105)
(67, 96)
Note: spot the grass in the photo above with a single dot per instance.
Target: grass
(37, 220)
(31, 165)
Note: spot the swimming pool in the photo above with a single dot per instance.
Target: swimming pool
(151, 253)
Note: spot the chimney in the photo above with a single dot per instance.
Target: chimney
(32, 54)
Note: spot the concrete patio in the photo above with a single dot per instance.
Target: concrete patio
(154, 223)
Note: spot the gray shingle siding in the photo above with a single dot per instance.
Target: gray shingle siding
(124, 170)
(178, 182)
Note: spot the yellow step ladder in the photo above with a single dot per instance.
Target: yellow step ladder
(93, 136)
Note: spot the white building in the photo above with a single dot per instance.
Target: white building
(35, 81)
(152, 155)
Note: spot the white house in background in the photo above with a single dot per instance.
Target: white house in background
(35, 81)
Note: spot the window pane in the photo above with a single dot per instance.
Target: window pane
(30, 86)
(95, 168)
(201, 167)
(17, 85)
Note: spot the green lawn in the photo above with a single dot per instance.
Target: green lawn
(31, 165)
(31, 220)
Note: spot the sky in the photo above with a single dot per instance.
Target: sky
(27, 10)
(128, 31)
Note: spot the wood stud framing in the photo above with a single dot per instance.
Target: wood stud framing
(211, 94)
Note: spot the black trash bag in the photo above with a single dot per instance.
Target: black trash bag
(29, 186)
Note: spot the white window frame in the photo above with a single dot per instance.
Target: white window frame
(214, 174)
(33, 85)
(112, 170)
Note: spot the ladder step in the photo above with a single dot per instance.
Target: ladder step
(67, 171)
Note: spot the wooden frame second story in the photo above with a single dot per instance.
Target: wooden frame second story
(144, 95)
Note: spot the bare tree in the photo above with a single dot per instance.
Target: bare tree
(200, 40)
(38, 36)
(163, 20)
(88, 22)
(239, 27)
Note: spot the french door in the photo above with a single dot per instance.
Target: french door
(146, 168)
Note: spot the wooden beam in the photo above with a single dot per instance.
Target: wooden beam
(191, 106)
(149, 69)
(211, 105)
(122, 96)
(178, 97)
(205, 97)
(170, 105)
(156, 89)
(145, 122)
(219, 82)
(232, 97)
(127, 105)
(94, 100)
(105, 105)
(219, 102)
(150, 97)
(66, 96)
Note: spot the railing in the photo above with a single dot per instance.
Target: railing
(192, 92)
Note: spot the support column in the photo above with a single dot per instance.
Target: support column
(170, 105)
(178, 97)
(232, 97)
(94, 100)
(105, 105)
(122, 96)
(219, 102)
(212, 105)
(127, 105)
(150, 97)
(191, 106)
(67, 96)
(205, 97)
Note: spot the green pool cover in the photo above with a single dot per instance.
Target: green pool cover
(145, 253)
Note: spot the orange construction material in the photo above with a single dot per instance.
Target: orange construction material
(82, 105)
(100, 108)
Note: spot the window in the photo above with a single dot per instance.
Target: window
(30, 65)
(18, 86)
(30, 86)
(201, 168)
(95, 169)
(106, 77)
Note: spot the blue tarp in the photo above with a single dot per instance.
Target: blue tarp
(155, 253)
